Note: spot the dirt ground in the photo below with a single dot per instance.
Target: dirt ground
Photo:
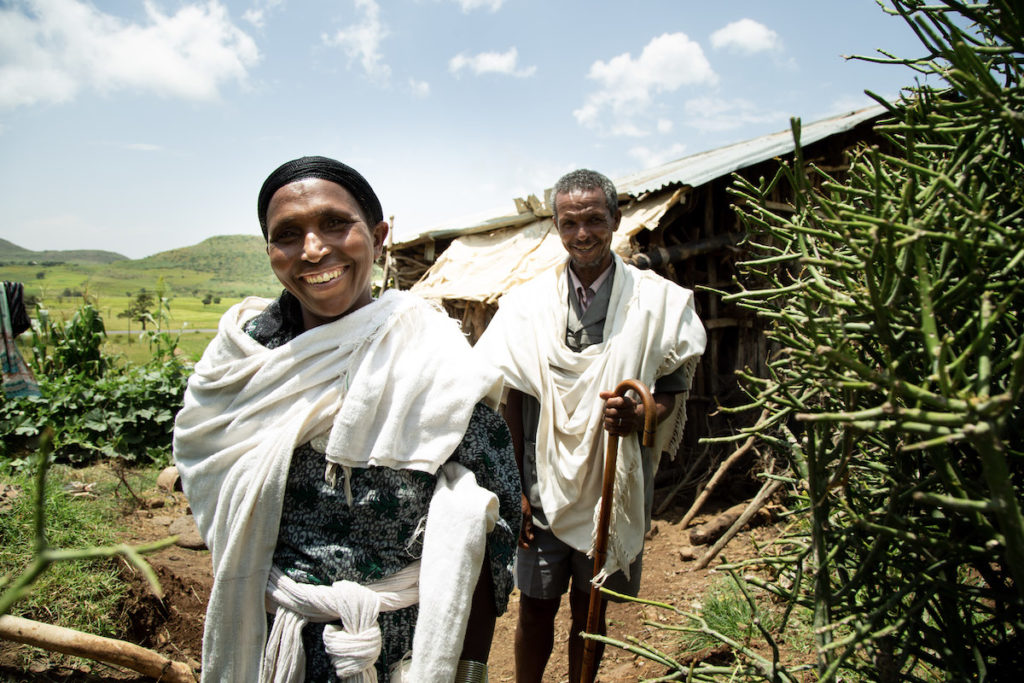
(174, 625)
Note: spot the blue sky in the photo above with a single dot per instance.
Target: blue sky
(138, 127)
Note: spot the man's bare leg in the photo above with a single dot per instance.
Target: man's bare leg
(535, 637)
(579, 603)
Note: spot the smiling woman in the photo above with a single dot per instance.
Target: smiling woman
(318, 430)
(322, 248)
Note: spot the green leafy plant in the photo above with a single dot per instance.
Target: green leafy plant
(72, 348)
(730, 616)
(96, 406)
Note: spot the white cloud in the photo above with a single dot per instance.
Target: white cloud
(665, 126)
(491, 62)
(143, 147)
(257, 14)
(627, 85)
(715, 114)
(849, 102)
(419, 88)
(470, 5)
(649, 158)
(747, 37)
(50, 50)
(361, 41)
(627, 129)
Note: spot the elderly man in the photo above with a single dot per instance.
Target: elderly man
(563, 341)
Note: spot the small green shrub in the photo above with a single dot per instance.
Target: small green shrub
(72, 348)
(96, 406)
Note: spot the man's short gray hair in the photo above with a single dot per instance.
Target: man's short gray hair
(584, 179)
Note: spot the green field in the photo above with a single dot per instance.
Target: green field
(190, 344)
(220, 270)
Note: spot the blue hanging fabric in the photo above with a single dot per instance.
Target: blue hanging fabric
(18, 378)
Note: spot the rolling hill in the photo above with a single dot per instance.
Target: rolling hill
(12, 253)
(227, 258)
(229, 266)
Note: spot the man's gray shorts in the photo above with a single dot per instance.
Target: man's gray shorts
(543, 570)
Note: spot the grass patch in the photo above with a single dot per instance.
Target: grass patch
(84, 595)
(726, 611)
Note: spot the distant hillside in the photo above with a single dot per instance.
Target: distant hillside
(231, 266)
(227, 258)
(12, 253)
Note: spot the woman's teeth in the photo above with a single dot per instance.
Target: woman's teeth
(323, 277)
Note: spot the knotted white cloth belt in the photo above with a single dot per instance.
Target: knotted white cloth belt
(355, 645)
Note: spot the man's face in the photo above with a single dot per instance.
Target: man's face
(321, 248)
(586, 228)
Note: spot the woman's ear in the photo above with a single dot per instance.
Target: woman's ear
(380, 233)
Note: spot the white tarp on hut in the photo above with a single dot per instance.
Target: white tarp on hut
(483, 266)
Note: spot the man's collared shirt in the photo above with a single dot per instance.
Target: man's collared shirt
(586, 294)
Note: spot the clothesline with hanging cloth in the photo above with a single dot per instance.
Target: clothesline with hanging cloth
(18, 378)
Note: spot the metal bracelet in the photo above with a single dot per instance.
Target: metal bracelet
(471, 672)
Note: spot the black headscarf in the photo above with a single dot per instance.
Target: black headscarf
(325, 169)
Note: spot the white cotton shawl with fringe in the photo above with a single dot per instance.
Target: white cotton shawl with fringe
(461, 515)
(393, 382)
(651, 329)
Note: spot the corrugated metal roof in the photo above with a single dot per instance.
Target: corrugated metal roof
(692, 171)
(704, 167)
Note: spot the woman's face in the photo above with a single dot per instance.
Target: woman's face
(321, 248)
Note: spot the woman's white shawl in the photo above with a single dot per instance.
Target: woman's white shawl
(395, 384)
(651, 330)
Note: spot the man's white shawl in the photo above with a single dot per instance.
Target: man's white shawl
(651, 330)
(395, 384)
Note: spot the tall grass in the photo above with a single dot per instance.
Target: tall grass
(84, 596)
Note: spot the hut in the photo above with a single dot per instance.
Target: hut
(676, 219)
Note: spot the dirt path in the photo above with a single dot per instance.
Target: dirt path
(174, 625)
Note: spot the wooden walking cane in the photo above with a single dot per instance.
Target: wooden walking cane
(605, 514)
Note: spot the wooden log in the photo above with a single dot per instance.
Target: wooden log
(710, 531)
(759, 500)
(107, 650)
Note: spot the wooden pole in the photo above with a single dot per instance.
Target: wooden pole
(107, 650)
(605, 514)
(388, 257)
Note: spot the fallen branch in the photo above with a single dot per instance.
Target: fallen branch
(758, 501)
(719, 473)
(107, 650)
(712, 530)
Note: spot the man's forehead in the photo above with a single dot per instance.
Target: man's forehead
(579, 196)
